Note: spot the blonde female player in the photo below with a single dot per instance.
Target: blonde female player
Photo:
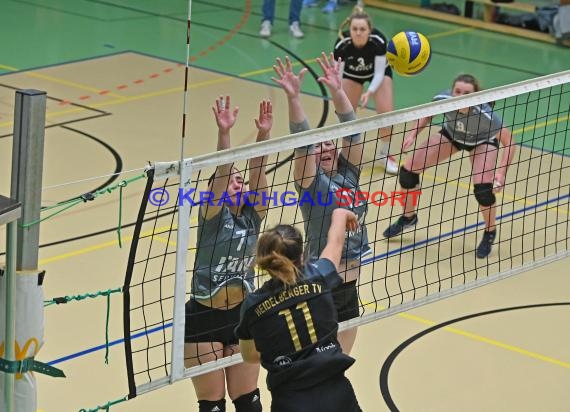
(223, 274)
(362, 49)
(322, 172)
(476, 129)
(287, 323)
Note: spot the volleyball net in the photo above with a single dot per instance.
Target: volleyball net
(435, 260)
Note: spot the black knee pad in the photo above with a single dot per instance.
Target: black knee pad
(484, 194)
(209, 406)
(408, 180)
(250, 402)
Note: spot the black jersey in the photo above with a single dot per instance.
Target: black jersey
(295, 328)
(359, 61)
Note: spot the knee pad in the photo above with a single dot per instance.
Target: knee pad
(408, 180)
(250, 402)
(484, 194)
(209, 406)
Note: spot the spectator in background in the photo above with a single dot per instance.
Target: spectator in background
(268, 10)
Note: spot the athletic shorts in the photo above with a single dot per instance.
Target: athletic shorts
(461, 146)
(345, 299)
(388, 73)
(332, 395)
(205, 324)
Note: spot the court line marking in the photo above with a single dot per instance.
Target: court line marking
(370, 260)
(405, 315)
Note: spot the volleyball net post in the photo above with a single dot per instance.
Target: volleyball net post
(22, 286)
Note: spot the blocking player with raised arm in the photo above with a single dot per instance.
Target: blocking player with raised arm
(476, 129)
(223, 273)
(324, 171)
(290, 326)
(362, 49)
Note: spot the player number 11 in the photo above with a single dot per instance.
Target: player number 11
(291, 324)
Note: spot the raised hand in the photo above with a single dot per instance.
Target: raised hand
(331, 72)
(265, 120)
(225, 117)
(287, 79)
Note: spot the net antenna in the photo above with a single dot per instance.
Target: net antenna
(434, 261)
(186, 76)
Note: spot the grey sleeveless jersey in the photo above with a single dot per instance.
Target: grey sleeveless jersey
(317, 218)
(225, 251)
(479, 125)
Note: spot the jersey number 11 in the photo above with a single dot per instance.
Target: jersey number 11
(291, 324)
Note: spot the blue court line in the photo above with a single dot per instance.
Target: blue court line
(113, 343)
(364, 262)
(463, 229)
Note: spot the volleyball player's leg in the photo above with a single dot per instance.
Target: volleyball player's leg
(353, 90)
(210, 386)
(429, 153)
(384, 100)
(242, 382)
(484, 160)
(346, 302)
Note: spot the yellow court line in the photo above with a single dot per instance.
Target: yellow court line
(71, 84)
(479, 338)
(3, 66)
(541, 124)
(489, 341)
(83, 251)
(450, 32)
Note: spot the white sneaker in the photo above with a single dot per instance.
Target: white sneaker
(389, 164)
(265, 28)
(295, 30)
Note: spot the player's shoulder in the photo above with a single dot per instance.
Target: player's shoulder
(343, 42)
(444, 94)
(321, 271)
(377, 36)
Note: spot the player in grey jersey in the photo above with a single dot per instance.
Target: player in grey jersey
(321, 171)
(227, 237)
(476, 129)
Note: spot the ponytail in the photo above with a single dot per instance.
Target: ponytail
(279, 267)
(357, 13)
(279, 252)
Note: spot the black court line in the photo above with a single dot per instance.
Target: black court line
(389, 362)
(101, 113)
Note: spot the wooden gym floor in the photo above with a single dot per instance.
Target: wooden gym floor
(114, 80)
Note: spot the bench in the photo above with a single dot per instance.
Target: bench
(486, 24)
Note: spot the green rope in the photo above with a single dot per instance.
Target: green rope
(106, 407)
(84, 198)
(65, 299)
(107, 330)
(119, 226)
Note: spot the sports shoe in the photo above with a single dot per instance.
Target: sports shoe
(389, 163)
(310, 3)
(265, 28)
(484, 248)
(295, 30)
(402, 225)
(330, 7)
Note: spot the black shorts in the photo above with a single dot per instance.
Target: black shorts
(332, 395)
(345, 299)
(461, 146)
(205, 324)
(388, 73)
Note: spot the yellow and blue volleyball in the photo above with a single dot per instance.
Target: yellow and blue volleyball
(408, 53)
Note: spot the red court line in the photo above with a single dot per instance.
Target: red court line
(219, 43)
